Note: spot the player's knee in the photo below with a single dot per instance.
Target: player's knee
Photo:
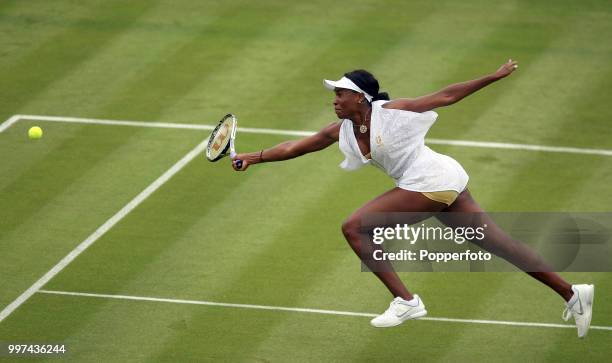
(350, 229)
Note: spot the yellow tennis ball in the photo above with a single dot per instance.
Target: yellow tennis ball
(35, 132)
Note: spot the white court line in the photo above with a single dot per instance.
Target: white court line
(166, 125)
(480, 144)
(9, 122)
(313, 311)
(104, 228)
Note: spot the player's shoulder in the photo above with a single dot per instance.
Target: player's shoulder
(332, 130)
(395, 104)
(334, 125)
(388, 107)
(404, 107)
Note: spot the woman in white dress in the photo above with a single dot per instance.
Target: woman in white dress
(389, 134)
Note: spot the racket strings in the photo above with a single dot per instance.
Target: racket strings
(220, 138)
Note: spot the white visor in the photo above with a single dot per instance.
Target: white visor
(347, 84)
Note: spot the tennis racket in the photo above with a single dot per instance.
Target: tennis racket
(221, 140)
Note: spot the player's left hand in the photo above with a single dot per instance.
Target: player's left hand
(506, 69)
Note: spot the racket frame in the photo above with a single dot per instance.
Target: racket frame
(230, 146)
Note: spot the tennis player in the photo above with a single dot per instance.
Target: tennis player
(389, 134)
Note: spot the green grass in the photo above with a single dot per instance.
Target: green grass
(271, 236)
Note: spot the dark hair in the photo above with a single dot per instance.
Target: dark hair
(366, 81)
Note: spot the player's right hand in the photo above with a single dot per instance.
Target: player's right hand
(247, 159)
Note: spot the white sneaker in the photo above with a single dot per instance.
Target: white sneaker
(581, 307)
(399, 311)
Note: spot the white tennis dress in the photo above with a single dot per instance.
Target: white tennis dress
(397, 146)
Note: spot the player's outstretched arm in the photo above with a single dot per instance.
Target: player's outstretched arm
(291, 149)
(453, 93)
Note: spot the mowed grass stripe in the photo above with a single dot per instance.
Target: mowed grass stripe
(64, 51)
(556, 175)
(243, 39)
(211, 206)
(503, 105)
(571, 183)
(100, 231)
(593, 191)
(342, 286)
(67, 148)
(521, 178)
(385, 337)
(278, 79)
(176, 74)
(598, 349)
(250, 84)
(96, 90)
(91, 85)
(173, 63)
(295, 256)
(520, 41)
(22, 154)
(540, 95)
(201, 263)
(101, 150)
(432, 58)
(478, 304)
(345, 288)
(54, 319)
(561, 341)
(34, 241)
(25, 26)
(202, 193)
(522, 182)
(65, 93)
(74, 156)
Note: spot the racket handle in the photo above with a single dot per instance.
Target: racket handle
(239, 164)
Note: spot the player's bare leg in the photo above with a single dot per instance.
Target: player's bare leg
(579, 298)
(395, 200)
(503, 245)
(404, 306)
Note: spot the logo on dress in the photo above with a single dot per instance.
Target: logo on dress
(378, 140)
